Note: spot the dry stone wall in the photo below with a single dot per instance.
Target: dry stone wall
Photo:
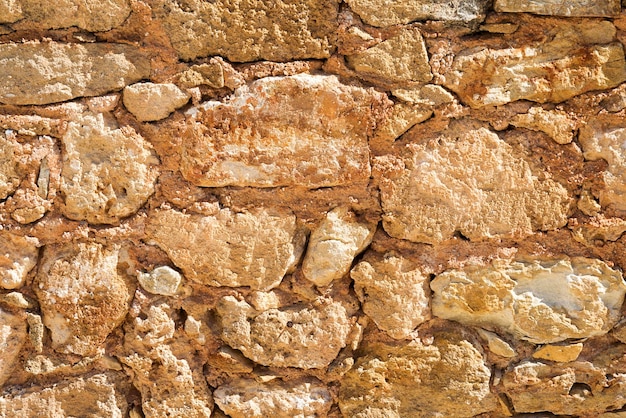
(320, 208)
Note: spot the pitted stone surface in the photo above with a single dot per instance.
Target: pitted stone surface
(12, 338)
(9, 176)
(150, 101)
(602, 8)
(18, 256)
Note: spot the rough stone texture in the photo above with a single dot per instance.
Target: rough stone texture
(304, 130)
(496, 344)
(294, 336)
(108, 173)
(50, 72)
(402, 118)
(161, 281)
(384, 13)
(253, 249)
(333, 246)
(9, 176)
(393, 292)
(150, 102)
(18, 256)
(576, 59)
(12, 339)
(605, 8)
(559, 353)
(247, 398)
(83, 297)
(557, 124)
(539, 301)
(249, 31)
(418, 380)
(466, 180)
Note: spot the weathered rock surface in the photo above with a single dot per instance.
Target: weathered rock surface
(18, 256)
(9, 176)
(150, 101)
(49, 72)
(393, 292)
(82, 295)
(250, 31)
(496, 344)
(427, 95)
(253, 249)
(602, 8)
(466, 180)
(402, 117)
(160, 281)
(12, 338)
(557, 124)
(418, 380)
(576, 59)
(384, 13)
(247, 398)
(333, 246)
(304, 130)
(539, 301)
(307, 337)
(108, 173)
(560, 353)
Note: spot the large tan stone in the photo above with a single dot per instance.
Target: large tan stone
(393, 292)
(466, 179)
(12, 338)
(307, 337)
(446, 378)
(575, 58)
(82, 295)
(603, 8)
(247, 398)
(275, 30)
(304, 130)
(542, 301)
(10, 11)
(556, 123)
(49, 72)
(9, 176)
(108, 173)
(150, 101)
(253, 249)
(18, 256)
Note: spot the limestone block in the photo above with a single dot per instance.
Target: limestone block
(576, 59)
(10, 11)
(385, 13)
(446, 378)
(160, 281)
(247, 398)
(333, 245)
(304, 130)
(150, 101)
(12, 338)
(402, 58)
(557, 124)
(9, 176)
(307, 337)
(18, 256)
(393, 292)
(427, 95)
(466, 179)
(274, 30)
(107, 173)
(599, 228)
(402, 118)
(50, 72)
(496, 344)
(560, 353)
(253, 249)
(542, 301)
(82, 295)
(602, 8)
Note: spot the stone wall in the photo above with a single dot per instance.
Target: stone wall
(312, 208)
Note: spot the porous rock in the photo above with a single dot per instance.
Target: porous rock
(162, 280)
(557, 124)
(402, 117)
(12, 338)
(18, 256)
(539, 301)
(150, 101)
(9, 176)
(601, 8)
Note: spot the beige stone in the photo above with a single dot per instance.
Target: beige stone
(9, 176)
(602, 8)
(385, 13)
(467, 179)
(18, 256)
(162, 280)
(402, 58)
(304, 130)
(559, 353)
(246, 398)
(35, 331)
(150, 101)
(599, 228)
(16, 300)
(49, 72)
(307, 337)
(557, 124)
(496, 344)
(402, 118)
(230, 361)
(253, 249)
(427, 95)
(108, 173)
(418, 380)
(542, 301)
(275, 30)
(588, 204)
(333, 245)
(82, 295)
(576, 59)
(393, 292)
(210, 74)
(10, 11)
(12, 339)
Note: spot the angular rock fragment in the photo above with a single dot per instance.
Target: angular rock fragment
(496, 344)
(107, 174)
(557, 124)
(333, 246)
(150, 101)
(253, 249)
(161, 281)
(599, 8)
(82, 295)
(307, 337)
(9, 176)
(428, 95)
(466, 179)
(542, 301)
(393, 292)
(18, 256)
(402, 118)
(247, 398)
(302, 130)
(418, 380)
(50, 72)
(12, 338)
(275, 30)
(576, 59)
(561, 353)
